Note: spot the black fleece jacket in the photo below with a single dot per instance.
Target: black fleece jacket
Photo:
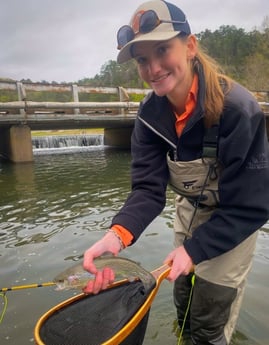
(243, 153)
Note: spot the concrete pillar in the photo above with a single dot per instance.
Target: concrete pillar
(118, 137)
(19, 148)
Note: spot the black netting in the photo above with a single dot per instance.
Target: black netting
(96, 318)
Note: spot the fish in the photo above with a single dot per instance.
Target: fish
(76, 277)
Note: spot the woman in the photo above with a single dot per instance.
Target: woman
(204, 135)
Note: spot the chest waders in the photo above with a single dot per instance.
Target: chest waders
(219, 283)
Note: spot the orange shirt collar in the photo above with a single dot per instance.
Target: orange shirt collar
(189, 106)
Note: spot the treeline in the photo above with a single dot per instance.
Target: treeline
(243, 55)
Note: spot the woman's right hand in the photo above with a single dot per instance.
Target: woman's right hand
(109, 243)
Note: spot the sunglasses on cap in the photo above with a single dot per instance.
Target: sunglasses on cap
(148, 21)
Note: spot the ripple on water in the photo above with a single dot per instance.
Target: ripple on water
(59, 206)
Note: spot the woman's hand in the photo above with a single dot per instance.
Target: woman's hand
(109, 243)
(180, 261)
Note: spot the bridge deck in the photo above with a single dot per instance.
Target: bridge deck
(68, 121)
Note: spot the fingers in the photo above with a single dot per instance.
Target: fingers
(109, 243)
(181, 263)
(102, 280)
(92, 253)
(176, 271)
(88, 264)
(97, 283)
(108, 277)
(169, 259)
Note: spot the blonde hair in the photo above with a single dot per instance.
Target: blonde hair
(216, 85)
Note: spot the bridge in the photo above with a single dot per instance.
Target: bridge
(21, 116)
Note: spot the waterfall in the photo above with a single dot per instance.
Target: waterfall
(67, 141)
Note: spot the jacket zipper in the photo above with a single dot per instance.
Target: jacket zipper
(174, 147)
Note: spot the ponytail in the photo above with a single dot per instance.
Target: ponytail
(216, 85)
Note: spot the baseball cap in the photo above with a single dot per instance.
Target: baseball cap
(155, 20)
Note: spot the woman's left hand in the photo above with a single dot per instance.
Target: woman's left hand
(181, 263)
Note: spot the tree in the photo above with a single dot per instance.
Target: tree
(256, 72)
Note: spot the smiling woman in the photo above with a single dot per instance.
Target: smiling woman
(70, 198)
(186, 135)
(166, 76)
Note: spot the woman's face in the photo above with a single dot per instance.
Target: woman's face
(165, 66)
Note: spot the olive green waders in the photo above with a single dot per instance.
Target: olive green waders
(219, 282)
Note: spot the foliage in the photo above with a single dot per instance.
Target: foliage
(112, 75)
(243, 55)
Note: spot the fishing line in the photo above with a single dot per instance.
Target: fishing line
(3, 295)
(196, 205)
(19, 287)
(186, 312)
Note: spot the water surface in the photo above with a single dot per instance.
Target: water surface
(53, 209)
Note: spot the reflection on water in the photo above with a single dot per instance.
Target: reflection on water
(53, 209)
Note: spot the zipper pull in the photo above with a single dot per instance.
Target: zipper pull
(175, 155)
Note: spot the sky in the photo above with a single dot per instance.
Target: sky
(69, 40)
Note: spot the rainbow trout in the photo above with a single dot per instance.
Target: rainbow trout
(76, 277)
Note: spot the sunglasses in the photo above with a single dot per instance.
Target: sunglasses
(148, 21)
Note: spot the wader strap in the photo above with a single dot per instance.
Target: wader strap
(210, 142)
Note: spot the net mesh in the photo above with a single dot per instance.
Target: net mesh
(94, 319)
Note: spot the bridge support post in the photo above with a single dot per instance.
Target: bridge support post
(118, 137)
(17, 144)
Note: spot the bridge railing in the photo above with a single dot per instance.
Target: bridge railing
(31, 107)
(24, 105)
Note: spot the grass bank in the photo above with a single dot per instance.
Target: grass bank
(84, 131)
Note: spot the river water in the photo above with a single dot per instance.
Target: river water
(53, 209)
